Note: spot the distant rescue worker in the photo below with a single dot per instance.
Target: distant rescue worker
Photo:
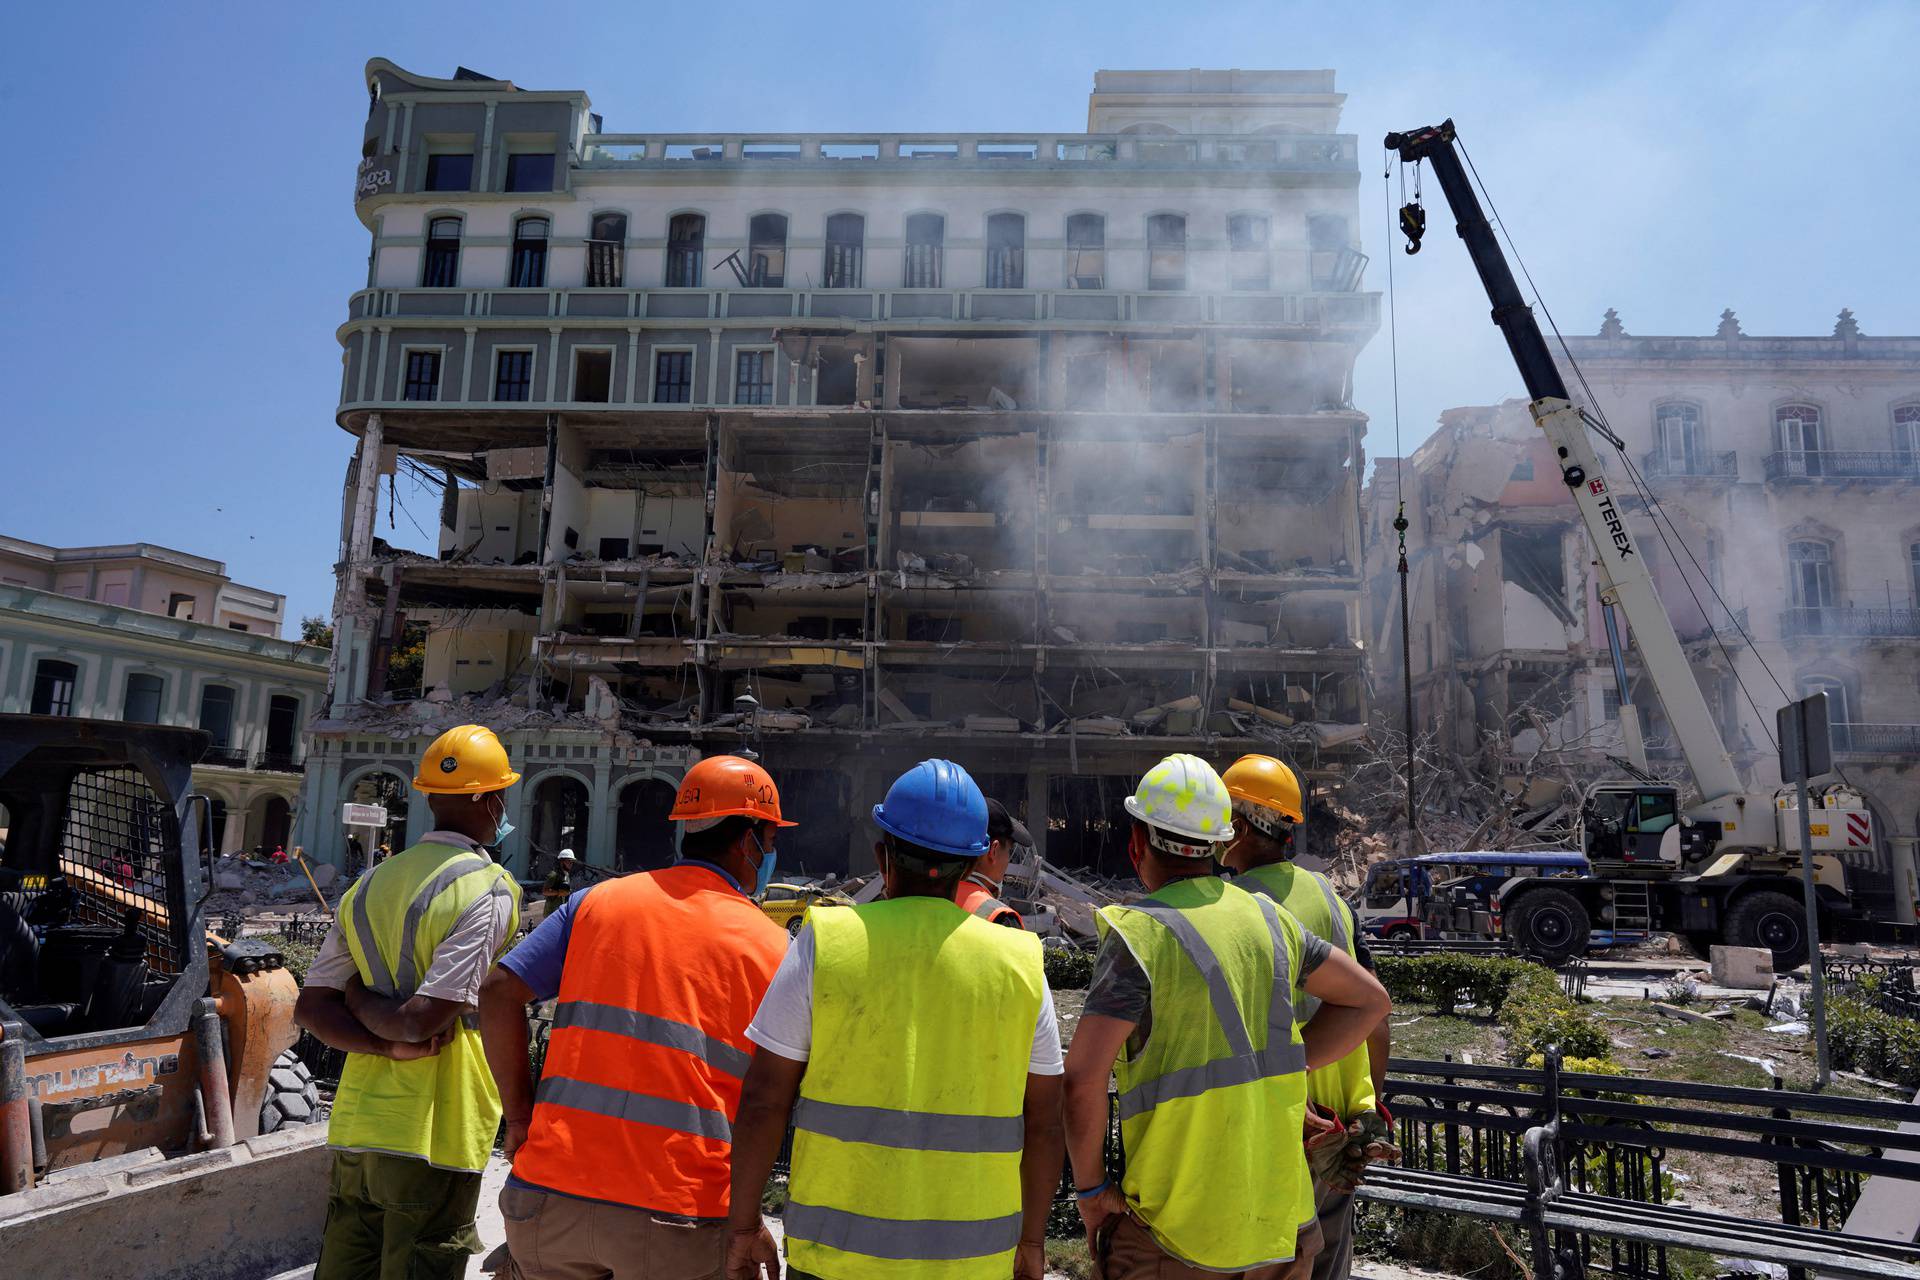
(921, 1044)
(1193, 993)
(395, 985)
(979, 891)
(558, 886)
(620, 1159)
(1266, 810)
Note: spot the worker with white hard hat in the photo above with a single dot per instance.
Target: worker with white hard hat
(1192, 1008)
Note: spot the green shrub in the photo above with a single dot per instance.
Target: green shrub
(1537, 1019)
(1447, 981)
(298, 954)
(1875, 1043)
(1068, 969)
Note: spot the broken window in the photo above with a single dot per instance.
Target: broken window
(283, 727)
(144, 693)
(216, 714)
(592, 376)
(836, 377)
(767, 251)
(53, 686)
(1247, 236)
(440, 267)
(1534, 562)
(1006, 251)
(686, 249)
(530, 171)
(1086, 251)
(1839, 712)
(926, 247)
(672, 377)
(753, 377)
(423, 376)
(450, 172)
(529, 270)
(1810, 574)
(846, 238)
(513, 376)
(606, 251)
(180, 605)
(1087, 380)
(1332, 258)
(1676, 429)
(1796, 434)
(1166, 252)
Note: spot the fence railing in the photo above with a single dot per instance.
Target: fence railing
(1842, 464)
(1850, 620)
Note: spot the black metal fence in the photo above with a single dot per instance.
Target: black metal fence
(1583, 1163)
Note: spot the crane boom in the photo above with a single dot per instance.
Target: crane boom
(1625, 581)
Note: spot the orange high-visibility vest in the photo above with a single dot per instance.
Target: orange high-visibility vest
(976, 899)
(664, 971)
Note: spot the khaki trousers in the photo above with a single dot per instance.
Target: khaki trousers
(1132, 1253)
(555, 1237)
(1335, 1211)
(396, 1218)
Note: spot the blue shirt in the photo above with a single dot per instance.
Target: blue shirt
(541, 957)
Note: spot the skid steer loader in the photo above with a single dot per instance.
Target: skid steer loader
(136, 1050)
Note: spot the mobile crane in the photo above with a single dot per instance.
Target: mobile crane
(1726, 868)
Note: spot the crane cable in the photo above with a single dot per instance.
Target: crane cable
(1400, 512)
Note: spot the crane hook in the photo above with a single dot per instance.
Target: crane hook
(1413, 224)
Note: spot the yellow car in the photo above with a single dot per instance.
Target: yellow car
(786, 904)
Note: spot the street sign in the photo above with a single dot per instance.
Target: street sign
(365, 815)
(1804, 733)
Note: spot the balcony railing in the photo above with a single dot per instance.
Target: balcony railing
(1721, 466)
(280, 761)
(226, 757)
(1841, 620)
(1843, 464)
(1877, 739)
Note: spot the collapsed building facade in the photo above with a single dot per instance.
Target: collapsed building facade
(1782, 471)
(1036, 451)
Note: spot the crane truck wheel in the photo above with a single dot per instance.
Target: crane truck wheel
(1774, 921)
(1549, 925)
(291, 1098)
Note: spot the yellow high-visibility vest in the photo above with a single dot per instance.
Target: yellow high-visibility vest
(909, 1127)
(1211, 1108)
(1344, 1087)
(444, 1109)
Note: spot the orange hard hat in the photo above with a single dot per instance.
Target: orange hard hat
(724, 786)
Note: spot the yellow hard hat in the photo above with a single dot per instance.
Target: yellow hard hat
(1264, 783)
(465, 761)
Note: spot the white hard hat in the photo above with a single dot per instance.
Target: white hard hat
(567, 856)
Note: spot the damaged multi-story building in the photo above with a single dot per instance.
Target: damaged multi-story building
(1034, 450)
(1780, 519)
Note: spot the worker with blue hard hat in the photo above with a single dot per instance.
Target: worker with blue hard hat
(913, 1045)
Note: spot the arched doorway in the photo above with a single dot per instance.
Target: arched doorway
(560, 804)
(643, 838)
(276, 823)
(390, 790)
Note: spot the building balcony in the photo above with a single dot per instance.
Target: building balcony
(226, 758)
(281, 761)
(1876, 739)
(1842, 464)
(1850, 622)
(1704, 466)
(1329, 312)
(917, 153)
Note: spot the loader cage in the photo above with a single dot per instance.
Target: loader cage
(100, 828)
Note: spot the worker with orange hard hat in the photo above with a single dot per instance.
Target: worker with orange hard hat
(621, 1159)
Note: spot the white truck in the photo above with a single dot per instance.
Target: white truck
(1725, 869)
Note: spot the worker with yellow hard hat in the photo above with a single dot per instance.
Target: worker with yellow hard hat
(1267, 811)
(1192, 1008)
(395, 985)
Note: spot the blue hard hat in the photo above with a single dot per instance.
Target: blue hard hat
(937, 806)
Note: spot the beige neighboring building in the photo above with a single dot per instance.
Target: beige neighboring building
(1789, 469)
(148, 634)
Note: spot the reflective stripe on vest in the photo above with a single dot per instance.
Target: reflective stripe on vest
(1344, 1087)
(445, 1108)
(1206, 1099)
(663, 972)
(910, 1123)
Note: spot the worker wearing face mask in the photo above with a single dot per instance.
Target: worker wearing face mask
(621, 1157)
(394, 985)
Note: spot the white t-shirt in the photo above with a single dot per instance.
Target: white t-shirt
(784, 1023)
(459, 964)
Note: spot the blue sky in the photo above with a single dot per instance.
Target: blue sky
(180, 222)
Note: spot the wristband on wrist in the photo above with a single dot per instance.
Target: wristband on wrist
(1091, 1192)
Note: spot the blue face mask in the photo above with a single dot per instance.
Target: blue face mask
(505, 830)
(767, 862)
